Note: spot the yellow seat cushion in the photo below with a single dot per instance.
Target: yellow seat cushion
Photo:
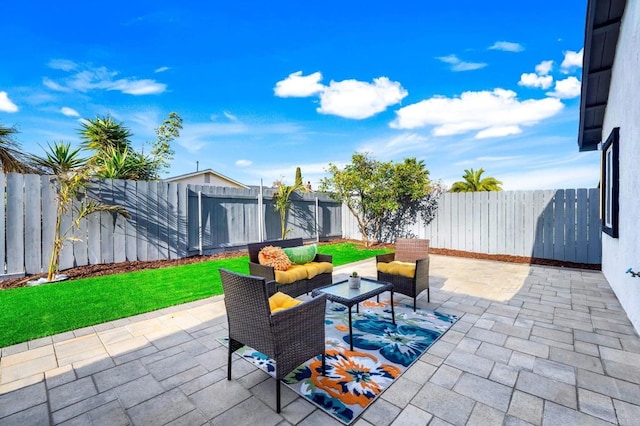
(317, 268)
(280, 301)
(404, 269)
(291, 275)
(301, 272)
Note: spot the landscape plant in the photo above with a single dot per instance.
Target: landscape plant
(474, 182)
(282, 199)
(384, 197)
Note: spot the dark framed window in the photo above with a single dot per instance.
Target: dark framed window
(609, 185)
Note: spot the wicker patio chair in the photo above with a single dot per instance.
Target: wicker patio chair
(290, 337)
(409, 250)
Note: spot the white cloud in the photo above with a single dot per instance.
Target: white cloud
(69, 112)
(161, 69)
(62, 64)
(299, 86)
(566, 89)
(498, 132)
(544, 67)
(230, 116)
(507, 46)
(534, 80)
(359, 99)
(137, 87)
(5, 103)
(459, 65)
(571, 60)
(490, 113)
(101, 78)
(244, 163)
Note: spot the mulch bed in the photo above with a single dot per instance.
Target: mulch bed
(116, 268)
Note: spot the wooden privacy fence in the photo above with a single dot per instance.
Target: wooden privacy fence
(166, 222)
(559, 224)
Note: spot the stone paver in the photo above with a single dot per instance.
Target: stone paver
(534, 345)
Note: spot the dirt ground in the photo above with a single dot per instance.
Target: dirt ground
(116, 268)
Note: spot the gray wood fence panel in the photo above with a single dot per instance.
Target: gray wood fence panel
(595, 228)
(172, 219)
(528, 223)
(482, 246)
(182, 208)
(467, 224)
(33, 223)
(582, 221)
(107, 225)
(3, 230)
(493, 222)
(558, 224)
(570, 226)
(548, 217)
(130, 203)
(119, 229)
(15, 223)
(162, 219)
(142, 227)
(153, 253)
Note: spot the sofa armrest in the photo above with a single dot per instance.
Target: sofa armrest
(388, 257)
(323, 258)
(259, 270)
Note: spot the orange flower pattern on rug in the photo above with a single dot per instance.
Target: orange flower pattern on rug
(351, 376)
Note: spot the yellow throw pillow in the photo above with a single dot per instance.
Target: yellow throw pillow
(280, 301)
(404, 269)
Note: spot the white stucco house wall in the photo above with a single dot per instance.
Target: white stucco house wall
(610, 113)
(206, 177)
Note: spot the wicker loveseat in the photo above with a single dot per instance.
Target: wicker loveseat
(296, 288)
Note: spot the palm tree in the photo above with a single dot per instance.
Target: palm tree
(473, 182)
(11, 157)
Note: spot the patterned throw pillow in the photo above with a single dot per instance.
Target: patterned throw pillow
(274, 256)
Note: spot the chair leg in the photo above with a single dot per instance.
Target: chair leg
(414, 303)
(324, 364)
(229, 362)
(277, 396)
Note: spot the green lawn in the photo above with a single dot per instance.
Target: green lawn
(30, 312)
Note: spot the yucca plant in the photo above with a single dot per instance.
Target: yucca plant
(72, 196)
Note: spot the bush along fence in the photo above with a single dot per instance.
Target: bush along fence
(167, 221)
(561, 225)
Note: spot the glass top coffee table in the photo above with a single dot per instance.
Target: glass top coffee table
(341, 293)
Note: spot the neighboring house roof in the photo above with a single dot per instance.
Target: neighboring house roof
(600, 40)
(205, 172)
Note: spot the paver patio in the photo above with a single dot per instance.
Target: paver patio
(534, 345)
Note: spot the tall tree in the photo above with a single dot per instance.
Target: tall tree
(162, 153)
(377, 193)
(11, 157)
(473, 182)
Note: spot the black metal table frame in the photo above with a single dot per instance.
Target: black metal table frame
(349, 302)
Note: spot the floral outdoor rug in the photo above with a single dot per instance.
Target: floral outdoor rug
(382, 352)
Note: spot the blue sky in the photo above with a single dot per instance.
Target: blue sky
(264, 87)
